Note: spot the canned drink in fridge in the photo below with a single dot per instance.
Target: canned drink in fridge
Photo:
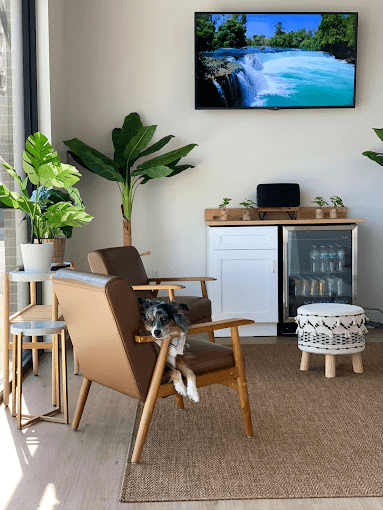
(322, 287)
(305, 286)
(331, 285)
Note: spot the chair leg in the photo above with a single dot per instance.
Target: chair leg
(150, 401)
(86, 383)
(329, 365)
(76, 366)
(305, 361)
(357, 362)
(180, 401)
(241, 383)
(211, 333)
(35, 358)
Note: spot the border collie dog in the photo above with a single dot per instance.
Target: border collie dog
(165, 319)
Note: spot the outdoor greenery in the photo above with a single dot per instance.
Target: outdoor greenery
(376, 156)
(335, 35)
(44, 170)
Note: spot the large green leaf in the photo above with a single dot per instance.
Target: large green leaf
(155, 147)
(375, 156)
(66, 214)
(154, 172)
(99, 167)
(178, 169)
(60, 176)
(138, 143)
(79, 149)
(14, 200)
(122, 136)
(38, 152)
(379, 132)
(168, 157)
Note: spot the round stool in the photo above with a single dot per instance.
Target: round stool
(331, 329)
(36, 329)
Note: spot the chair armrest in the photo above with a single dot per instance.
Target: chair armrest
(184, 279)
(144, 339)
(157, 287)
(212, 326)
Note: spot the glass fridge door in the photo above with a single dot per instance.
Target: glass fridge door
(319, 266)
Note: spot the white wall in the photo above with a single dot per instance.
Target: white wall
(113, 57)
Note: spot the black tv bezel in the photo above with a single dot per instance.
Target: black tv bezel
(225, 108)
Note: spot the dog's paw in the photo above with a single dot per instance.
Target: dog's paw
(192, 393)
(180, 388)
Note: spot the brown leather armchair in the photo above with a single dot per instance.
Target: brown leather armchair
(103, 319)
(125, 261)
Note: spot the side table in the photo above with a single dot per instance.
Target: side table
(31, 312)
(35, 329)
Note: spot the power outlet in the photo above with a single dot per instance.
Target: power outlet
(155, 273)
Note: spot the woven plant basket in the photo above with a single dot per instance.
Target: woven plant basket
(58, 249)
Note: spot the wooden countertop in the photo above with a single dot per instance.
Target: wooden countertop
(248, 223)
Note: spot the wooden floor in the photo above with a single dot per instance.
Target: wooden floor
(48, 466)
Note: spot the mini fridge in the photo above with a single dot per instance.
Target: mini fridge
(318, 265)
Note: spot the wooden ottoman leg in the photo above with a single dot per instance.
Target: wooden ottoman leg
(330, 365)
(357, 362)
(305, 360)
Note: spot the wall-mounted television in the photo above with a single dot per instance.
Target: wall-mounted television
(275, 60)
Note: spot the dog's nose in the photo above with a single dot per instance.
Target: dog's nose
(157, 332)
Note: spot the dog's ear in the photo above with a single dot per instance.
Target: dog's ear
(178, 306)
(183, 306)
(141, 301)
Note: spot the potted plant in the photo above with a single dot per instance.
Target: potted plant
(336, 202)
(319, 214)
(224, 211)
(44, 169)
(248, 204)
(375, 156)
(130, 144)
(58, 230)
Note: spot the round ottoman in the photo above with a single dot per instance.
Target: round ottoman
(331, 329)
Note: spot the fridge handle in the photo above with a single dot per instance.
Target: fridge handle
(273, 266)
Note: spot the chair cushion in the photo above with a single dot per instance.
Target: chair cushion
(206, 356)
(199, 307)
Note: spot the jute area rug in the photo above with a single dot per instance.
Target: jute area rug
(314, 437)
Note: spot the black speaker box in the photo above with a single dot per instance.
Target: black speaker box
(278, 195)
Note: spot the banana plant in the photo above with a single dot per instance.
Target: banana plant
(375, 156)
(43, 169)
(130, 144)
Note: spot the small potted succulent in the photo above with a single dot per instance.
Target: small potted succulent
(248, 204)
(336, 202)
(319, 213)
(224, 211)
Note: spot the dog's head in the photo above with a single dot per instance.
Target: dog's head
(163, 318)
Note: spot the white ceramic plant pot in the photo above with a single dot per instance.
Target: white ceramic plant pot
(37, 258)
(333, 212)
(319, 213)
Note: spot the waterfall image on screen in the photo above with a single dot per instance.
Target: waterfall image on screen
(278, 60)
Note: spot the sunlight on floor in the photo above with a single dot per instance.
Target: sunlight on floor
(49, 500)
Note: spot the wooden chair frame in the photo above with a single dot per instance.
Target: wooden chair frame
(234, 377)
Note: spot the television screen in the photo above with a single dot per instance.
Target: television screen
(275, 60)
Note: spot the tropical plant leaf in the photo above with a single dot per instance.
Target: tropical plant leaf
(15, 200)
(65, 213)
(99, 167)
(38, 152)
(375, 156)
(379, 132)
(168, 157)
(122, 136)
(154, 173)
(155, 147)
(178, 169)
(79, 149)
(138, 143)
(61, 176)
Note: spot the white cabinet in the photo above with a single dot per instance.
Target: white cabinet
(245, 262)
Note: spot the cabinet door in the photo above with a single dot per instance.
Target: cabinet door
(246, 286)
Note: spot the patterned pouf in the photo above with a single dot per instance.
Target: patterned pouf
(330, 329)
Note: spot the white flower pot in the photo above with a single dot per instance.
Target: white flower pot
(37, 258)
